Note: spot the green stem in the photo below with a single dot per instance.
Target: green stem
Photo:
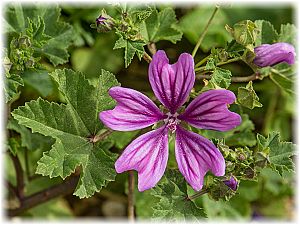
(233, 79)
(204, 31)
(131, 196)
(270, 111)
(202, 68)
(202, 192)
(202, 61)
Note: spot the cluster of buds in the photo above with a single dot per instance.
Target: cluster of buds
(21, 53)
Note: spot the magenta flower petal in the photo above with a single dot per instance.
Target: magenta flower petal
(134, 111)
(195, 155)
(209, 111)
(269, 55)
(148, 155)
(172, 84)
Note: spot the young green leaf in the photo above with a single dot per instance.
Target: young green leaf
(74, 125)
(131, 48)
(173, 204)
(220, 78)
(280, 152)
(161, 26)
(244, 32)
(247, 97)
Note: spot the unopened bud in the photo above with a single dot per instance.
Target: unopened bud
(104, 22)
(269, 55)
(232, 183)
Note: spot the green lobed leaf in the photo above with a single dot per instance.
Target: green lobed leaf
(280, 152)
(131, 48)
(247, 97)
(161, 26)
(72, 125)
(220, 78)
(173, 205)
(267, 33)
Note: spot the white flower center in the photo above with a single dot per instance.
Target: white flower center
(172, 121)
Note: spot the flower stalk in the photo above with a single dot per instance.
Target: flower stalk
(205, 31)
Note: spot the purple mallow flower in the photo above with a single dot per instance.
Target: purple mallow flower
(231, 183)
(148, 154)
(269, 55)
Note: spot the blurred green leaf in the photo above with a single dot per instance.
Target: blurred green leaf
(51, 210)
(288, 33)
(224, 209)
(97, 57)
(39, 80)
(192, 25)
(122, 139)
(247, 97)
(173, 205)
(242, 135)
(161, 26)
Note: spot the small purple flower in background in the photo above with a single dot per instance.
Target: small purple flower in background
(104, 22)
(269, 55)
(231, 183)
(148, 154)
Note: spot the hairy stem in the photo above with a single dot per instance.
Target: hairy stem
(19, 176)
(100, 137)
(28, 202)
(147, 57)
(197, 195)
(202, 61)
(270, 111)
(131, 196)
(254, 76)
(204, 31)
(152, 48)
(202, 68)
